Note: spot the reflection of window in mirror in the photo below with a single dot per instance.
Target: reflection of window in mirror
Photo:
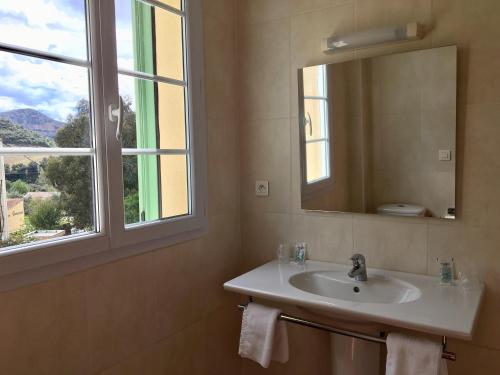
(316, 132)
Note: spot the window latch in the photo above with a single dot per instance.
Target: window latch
(117, 113)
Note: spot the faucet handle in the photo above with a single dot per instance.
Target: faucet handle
(358, 259)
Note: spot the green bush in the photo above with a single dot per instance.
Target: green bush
(45, 214)
(19, 237)
(131, 203)
(18, 188)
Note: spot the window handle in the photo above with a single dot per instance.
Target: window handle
(118, 114)
(308, 121)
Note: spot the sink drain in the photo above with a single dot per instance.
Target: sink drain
(356, 289)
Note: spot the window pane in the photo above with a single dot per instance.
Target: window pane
(174, 185)
(149, 39)
(57, 26)
(154, 114)
(317, 161)
(43, 103)
(314, 81)
(317, 119)
(173, 3)
(43, 198)
(155, 187)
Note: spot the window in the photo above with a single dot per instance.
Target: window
(101, 125)
(315, 134)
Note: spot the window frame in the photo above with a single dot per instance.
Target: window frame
(309, 189)
(115, 241)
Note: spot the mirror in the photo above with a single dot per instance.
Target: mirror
(377, 135)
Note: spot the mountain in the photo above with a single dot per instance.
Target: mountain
(33, 120)
(16, 135)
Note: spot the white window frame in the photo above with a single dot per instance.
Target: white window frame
(115, 241)
(311, 188)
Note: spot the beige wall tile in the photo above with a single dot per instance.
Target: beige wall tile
(120, 310)
(466, 23)
(300, 6)
(439, 77)
(44, 328)
(329, 236)
(264, 70)
(482, 129)
(387, 243)
(180, 353)
(220, 58)
(396, 186)
(266, 156)
(473, 359)
(223, 167)
(174, 288)
(223, 10)
(260, 236)
(380, 13)
(220, 340)
(256, 11)
(219, 260)
(480, 201)
(438, 192)
(479, 79)
(400, 140)
(438, 132)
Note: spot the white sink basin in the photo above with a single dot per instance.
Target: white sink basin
(395, 298)
(378, 289)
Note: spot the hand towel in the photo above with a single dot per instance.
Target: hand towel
(414, 356)
(263, 337)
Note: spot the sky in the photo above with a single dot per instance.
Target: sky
(56, 26)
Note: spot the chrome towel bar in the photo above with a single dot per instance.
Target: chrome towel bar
(381, 340)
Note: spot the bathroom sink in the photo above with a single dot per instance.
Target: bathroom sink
(378, 289)
(398, 299)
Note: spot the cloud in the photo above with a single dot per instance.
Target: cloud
(15, 18)
(56, 26)
(52, 88)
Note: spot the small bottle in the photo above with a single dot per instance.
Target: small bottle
(300, 250)
(445, 271)
(283, 253)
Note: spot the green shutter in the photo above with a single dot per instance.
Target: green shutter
(145, 110)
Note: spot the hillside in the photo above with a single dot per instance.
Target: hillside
(34, 121)
(12, 134)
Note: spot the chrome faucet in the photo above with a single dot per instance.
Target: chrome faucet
(358, 268)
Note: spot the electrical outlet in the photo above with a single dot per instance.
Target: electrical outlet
(261, 188)
(444, 155)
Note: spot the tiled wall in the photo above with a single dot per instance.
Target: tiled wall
(414, 115)
(162, 312)
(279, 36)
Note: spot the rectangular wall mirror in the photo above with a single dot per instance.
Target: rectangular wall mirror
(377, 135)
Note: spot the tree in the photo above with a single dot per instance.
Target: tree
(13, 134)
(26, 172)
(45, 214)
(72, 175)
(17, 189)
(131, 203)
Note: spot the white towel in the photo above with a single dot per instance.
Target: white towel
(263, 337)
(413, 356)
